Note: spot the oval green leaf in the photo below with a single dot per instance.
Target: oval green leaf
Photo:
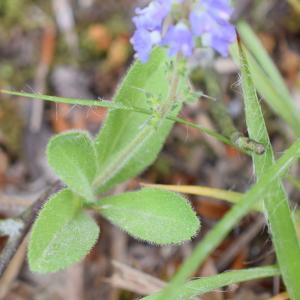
(153, 215)
(61, 235)
(73, 157)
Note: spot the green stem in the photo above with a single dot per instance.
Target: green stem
(210, 132)
(112, 105)
(71, 101)
(222, 118)
(204, 285)
(228, 129)
(223, 227)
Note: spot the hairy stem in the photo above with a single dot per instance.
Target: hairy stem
(116, 106)
(223, 119)
(111, 105)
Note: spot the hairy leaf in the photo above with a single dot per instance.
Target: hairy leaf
(122, 127)
(153, 215)
(61, 235)
(268, 80)
(73, 157)
(283, 233)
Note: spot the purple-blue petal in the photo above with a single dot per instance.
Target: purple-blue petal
(152, 16)
(208, 20)
(179, 38)
(201, 22)
(142, 44)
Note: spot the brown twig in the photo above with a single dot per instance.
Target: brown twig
(136, 281)
(12, 271)
(25, 220)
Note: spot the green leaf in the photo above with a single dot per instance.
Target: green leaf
(283, 232)
(73, 157)
(61, 235)
(255, 46)
(204, 285)
(268, 81)
(122, 127)
(153, 215)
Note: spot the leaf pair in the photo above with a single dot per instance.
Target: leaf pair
(64, 233)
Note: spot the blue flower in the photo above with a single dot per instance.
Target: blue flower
(220, 40)
(207, 20)
(210, 20)
(220, 9)
(143, 42)
(152, 16)
(179, 38)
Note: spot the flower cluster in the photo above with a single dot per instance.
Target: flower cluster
(206, 21)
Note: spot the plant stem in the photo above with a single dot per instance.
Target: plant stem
(210, 132)
(240, 141)
(223, 227)
(111, 105)
(221, 116)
